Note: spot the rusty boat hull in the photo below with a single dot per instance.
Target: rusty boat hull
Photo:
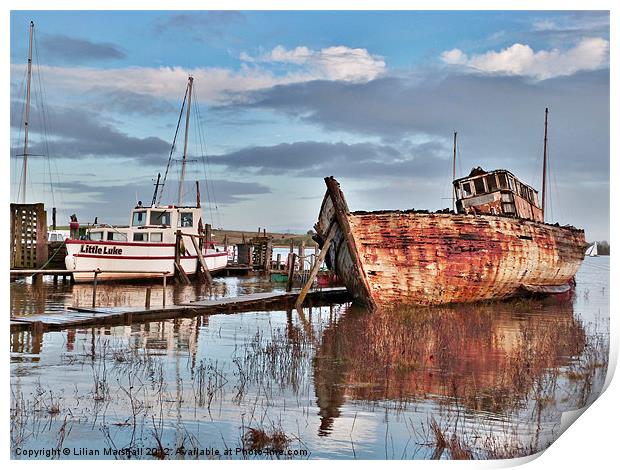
(412, 257)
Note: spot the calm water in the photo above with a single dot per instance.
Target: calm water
(337, 381)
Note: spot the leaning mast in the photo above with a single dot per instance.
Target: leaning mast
(27, 117)
(184, 161)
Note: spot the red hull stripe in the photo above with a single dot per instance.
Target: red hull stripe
(97, 242)
(88, 255)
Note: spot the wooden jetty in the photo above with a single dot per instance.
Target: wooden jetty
(114, 316)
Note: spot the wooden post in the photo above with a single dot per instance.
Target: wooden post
(268, 255)
(316, 267)
(95, 288)
(164, 293)
(179, 272)
(279, 261)
(201, 260)
(53, 218)
(198, 194)
(41, 240)
(291, 271)
(302, 256)
(147, 300)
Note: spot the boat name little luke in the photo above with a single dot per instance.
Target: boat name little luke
(98, 250)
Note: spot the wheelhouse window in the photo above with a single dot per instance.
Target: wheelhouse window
(96, 236)
(186, 219)
(503, 181)
(157, 236)
(479, 186)
(139, 218)
(466, 187)
(491, 183)
(160, 218)
(141, 237)
(117, 237)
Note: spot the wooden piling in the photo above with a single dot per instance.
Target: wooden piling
(302, 255)
(95, 289)
(179, 272)
(291, 271)
(164, 292)
(147, 299)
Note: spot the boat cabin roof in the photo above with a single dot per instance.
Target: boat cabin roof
(496, 192)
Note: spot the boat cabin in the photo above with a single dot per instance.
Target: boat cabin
(155, 224)
(496, 192)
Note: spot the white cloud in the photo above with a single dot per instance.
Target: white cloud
(521, 59)
(216, 84)
(331, 63)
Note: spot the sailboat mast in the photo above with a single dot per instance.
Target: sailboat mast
(544, 178)
(27, 117)
(184, 162)
(454, 175)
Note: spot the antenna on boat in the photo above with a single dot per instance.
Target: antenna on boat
(544, 178)
(454, 175)
(157, 185)
(184, 161)
(27, 116)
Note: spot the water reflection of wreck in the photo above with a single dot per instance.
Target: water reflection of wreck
(485, 357)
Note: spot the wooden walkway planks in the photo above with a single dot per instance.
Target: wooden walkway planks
(110, 316)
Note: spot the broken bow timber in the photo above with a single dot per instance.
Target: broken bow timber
(416, 257)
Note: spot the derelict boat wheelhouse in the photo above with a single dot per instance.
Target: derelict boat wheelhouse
(147, 247)
(495, 245)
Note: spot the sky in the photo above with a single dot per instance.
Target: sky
(283, 99)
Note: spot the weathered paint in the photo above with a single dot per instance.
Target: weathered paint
(429, 259)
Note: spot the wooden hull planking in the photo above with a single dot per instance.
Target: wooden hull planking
(430, 259)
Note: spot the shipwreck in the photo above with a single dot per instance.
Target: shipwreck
(493, 245)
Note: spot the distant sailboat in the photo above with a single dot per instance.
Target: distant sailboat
(592, 250)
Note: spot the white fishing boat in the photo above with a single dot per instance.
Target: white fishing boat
(157, 237)
(592, 250)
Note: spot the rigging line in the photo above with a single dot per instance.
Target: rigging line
(19, 133)
(174, 141)
(44, 118)
(209, 181)
(203, 149)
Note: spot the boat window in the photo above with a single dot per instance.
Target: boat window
(139, 218)
(186, 219)
(479, 186)
(53, 237)
(141, 237)
(508, 208)
(503, 182)
(466, 189)
(491, 183)
(157, 236)
(117, 237)
(95, 236)
(160, 218)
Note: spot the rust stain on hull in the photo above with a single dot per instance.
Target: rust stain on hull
(431, 259)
